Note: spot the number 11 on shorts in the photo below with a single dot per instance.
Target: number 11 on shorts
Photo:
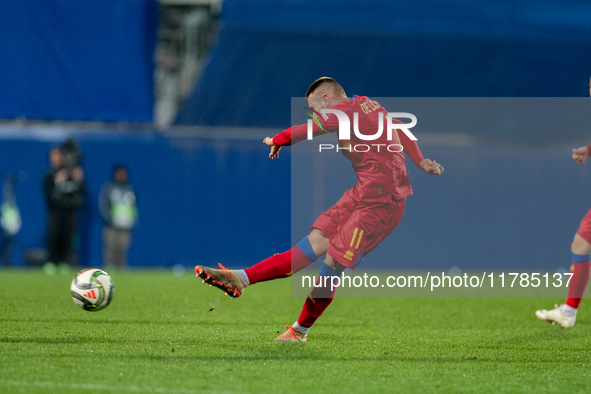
(355, 236)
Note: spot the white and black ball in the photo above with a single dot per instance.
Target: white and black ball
(92, 289)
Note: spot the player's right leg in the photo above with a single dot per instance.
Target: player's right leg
(565, 315)
(282, 265)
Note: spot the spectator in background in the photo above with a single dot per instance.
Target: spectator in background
(64, 190)
(117, 203)
(10, 219)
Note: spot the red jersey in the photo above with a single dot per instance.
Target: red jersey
(381, 173)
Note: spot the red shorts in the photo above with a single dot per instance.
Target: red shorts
(355, 228)
(585, 227)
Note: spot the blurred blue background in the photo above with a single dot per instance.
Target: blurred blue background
(87, 60)
(206, 189)
(266, 53)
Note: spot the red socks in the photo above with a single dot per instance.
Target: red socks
(278, 266)
(288, 263)
(578, 282)
(318, 300)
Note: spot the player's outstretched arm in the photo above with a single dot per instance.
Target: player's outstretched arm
(581, 154)
(291, 136)
(431, 167)
(274, 154)
(412, 150)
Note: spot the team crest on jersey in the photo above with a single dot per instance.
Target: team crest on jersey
(349, 255)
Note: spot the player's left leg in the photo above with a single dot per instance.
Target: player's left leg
(316, 303)
(566, 314)
(362, 232)
(581, 248)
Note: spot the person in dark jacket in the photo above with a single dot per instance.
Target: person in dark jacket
(117, 203)
(64, 191)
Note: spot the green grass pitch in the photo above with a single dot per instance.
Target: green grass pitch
(159, 336)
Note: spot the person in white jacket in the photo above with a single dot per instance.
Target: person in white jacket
(118, 206)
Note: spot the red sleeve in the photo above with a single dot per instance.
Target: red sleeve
(589, 149)
(283, 138)
(411, 148)
(295, 134)
(322, 124)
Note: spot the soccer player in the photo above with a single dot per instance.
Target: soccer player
(566, 314)
(356, 224)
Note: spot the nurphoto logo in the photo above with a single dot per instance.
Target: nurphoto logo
(344, 130)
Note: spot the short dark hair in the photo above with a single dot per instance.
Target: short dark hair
(329, 83)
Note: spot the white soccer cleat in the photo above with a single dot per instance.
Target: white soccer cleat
(555, 316)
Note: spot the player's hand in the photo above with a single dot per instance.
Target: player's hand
(274, 148)
(431, 167)
(580, 154)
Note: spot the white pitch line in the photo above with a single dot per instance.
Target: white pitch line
(90, 386)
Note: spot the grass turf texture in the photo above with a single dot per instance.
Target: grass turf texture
(159, 335)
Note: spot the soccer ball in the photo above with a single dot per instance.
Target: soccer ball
(92, 289)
